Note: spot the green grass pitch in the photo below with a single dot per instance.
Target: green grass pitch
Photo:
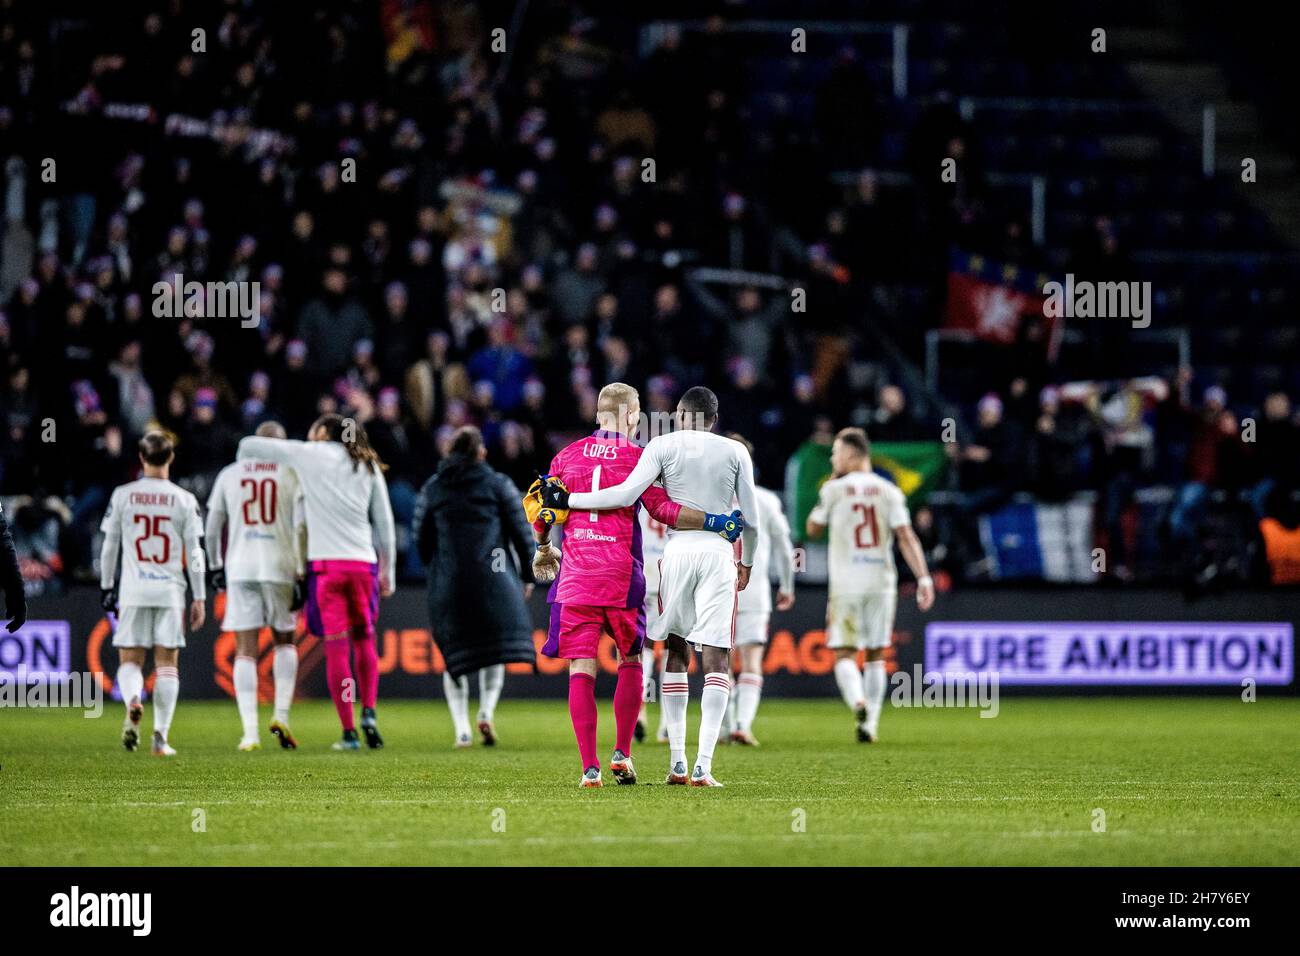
(1181, 781)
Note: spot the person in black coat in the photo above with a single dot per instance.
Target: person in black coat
(472, 536)
(11, 578)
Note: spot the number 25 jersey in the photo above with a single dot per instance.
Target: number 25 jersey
(158, 527)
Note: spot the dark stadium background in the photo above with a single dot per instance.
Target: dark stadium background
(1024, 447)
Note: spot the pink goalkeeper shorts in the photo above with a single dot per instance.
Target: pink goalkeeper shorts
(342, 598)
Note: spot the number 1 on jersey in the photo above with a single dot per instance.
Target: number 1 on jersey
(595, 486)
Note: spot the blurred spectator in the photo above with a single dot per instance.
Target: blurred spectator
(892, 420)
(331, 324)
(987, 463)
(1277, 438)
(1129, 442)
(502, 365)
(206, 445)
(1054, 448)
(575, 289)
(134, 396)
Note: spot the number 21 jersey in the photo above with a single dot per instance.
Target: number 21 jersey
(861, 510)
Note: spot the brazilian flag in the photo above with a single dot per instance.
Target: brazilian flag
(917, 467)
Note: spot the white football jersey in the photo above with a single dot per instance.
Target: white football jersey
(259, 505)
(154, 525)
(654, 535)
(861, 510)
(774, 550)
(349, 517)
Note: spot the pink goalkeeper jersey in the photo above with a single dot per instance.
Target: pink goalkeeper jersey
(602, 563)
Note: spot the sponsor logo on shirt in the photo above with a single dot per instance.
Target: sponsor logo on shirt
(587, 534)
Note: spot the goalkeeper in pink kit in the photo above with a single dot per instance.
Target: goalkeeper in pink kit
(600, 586)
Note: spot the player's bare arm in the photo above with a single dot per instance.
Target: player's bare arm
(553, 496)
(910, 547)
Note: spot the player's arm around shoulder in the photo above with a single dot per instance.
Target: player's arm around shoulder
(285, 451)
(625, 493)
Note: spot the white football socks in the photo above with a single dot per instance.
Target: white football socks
(285, 668)
(457, 692)
(166, 689)
(490, 681)
(245, 675)
(713, 706)
(849, 679)
(130, 680)
(729, 716)
(873, 677)
(676, 695)
(749, 689)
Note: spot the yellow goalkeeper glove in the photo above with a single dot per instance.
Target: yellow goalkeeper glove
(534, 506)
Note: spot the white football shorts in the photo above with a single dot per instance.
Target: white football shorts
(751, 626)
(150, 627)
(697, 598)
(253, 605)
(864, 621)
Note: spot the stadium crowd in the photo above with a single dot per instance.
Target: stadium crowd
(500, 250)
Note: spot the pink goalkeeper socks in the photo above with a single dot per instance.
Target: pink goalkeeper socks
(367, 661)
(338, 675)
(627, 703)
(582, 710)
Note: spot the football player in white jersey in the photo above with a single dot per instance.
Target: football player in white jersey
(654, 535)
(699, 577)
(865, 514)
(754, 608)
(154, 525)
(256, 508)
(351, 557)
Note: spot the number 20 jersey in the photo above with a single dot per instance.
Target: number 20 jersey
(262, 506)
(160, 530)
(861, 511)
